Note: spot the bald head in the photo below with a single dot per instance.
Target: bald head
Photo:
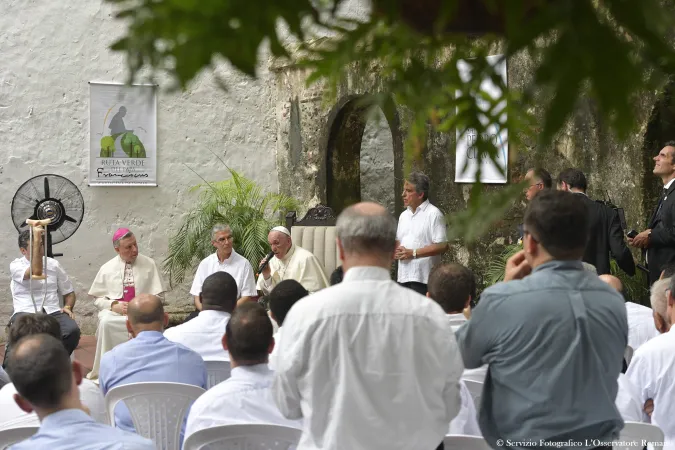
(612, 281)
(367, 228)
(146, 312)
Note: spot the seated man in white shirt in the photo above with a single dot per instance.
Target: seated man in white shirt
(202, 334)
(281, 299)
(246, 396)
(290, 262)
(453, 286)
(58, 283)
(225, 259)
(11, 416)
(641, 319)
(652, 370)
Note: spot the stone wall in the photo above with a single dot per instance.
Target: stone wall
(50, 51)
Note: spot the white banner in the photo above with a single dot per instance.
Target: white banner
(122, 135)
(466, 151)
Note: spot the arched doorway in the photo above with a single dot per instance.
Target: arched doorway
(378, 177)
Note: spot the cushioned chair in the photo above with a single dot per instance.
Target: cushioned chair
(316, 233)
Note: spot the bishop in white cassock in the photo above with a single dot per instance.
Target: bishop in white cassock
(117, 283)
(290, 262)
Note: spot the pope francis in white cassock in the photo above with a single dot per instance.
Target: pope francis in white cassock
(116, 284)
(290, 262)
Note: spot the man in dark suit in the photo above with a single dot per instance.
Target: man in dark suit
(606, 235)
(659, 238)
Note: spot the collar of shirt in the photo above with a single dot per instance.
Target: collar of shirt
(456, 317)
(149, 336)
(229, 260)
(251, 372)
(366, 273)
(422, 207)
(289, 255)
(668, 184)
(558, 264)
(64, 418)
(213, 314)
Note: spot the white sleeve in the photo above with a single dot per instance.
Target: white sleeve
(248, 288)
(451, 392)
(628, 400)
(17, 270)
(198, 281)
(640, 374)
(438, 229)
(466, 421)
(63, 282)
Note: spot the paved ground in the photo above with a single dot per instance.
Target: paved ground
(84, 352)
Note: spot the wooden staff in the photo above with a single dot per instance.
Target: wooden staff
(36, 261)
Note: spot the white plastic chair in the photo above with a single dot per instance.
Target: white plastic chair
(244, 437)
(217, 371)
(463, 442)
(157, 409)
(636, 432)
(476, 389)
(11, 436)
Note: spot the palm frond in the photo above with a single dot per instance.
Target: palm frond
(495, 270)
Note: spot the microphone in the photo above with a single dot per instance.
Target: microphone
(265, 262)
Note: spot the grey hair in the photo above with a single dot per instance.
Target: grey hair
(366, 233)
(658, 297)
(421, 183)
(217, 228)
(116, 243)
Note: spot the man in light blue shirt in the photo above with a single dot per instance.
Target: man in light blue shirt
(46, 382)
(149, 356)
(553, 335)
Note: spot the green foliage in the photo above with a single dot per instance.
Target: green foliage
(635, 287)
(495, 270)
(236, 201)
(610, 50)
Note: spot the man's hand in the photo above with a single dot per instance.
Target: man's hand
(403, 253)
(517, 267)
(266, 272)
(641, 240)
(120, 308)
(649, 407)
(68, 312)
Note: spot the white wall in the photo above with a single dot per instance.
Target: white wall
(49, 50)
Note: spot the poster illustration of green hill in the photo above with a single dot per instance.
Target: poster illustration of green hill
(123, 135)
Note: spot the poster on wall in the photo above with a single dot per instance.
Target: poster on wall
(466, 156)
(122, 135)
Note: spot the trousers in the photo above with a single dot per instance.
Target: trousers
(420, 288)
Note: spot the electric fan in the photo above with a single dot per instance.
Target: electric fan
(49, 197)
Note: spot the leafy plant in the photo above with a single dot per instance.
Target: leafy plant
(635, 287)
(495, 270)
(236, 201)
(610, 50)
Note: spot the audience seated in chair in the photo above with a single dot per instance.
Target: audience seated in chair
(347, 351)
(11, 416)
(246, 396)
(116, 283)
(453, 287)
(281, 299)
(652, 369)
(552, 334)
(46, 381)
(149, 356)
(202, 334)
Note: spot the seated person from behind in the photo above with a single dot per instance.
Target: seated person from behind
(246, 396)
(453, 286)
(281, 299)
(58, 283)
(290, 262)
(115, 285)
(225, 259)
(204, 333)
(149, 356)
(46, 381)
(11, 416)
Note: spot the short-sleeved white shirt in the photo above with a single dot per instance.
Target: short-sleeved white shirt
(425, 227)
(236, 265)
(57, 283)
